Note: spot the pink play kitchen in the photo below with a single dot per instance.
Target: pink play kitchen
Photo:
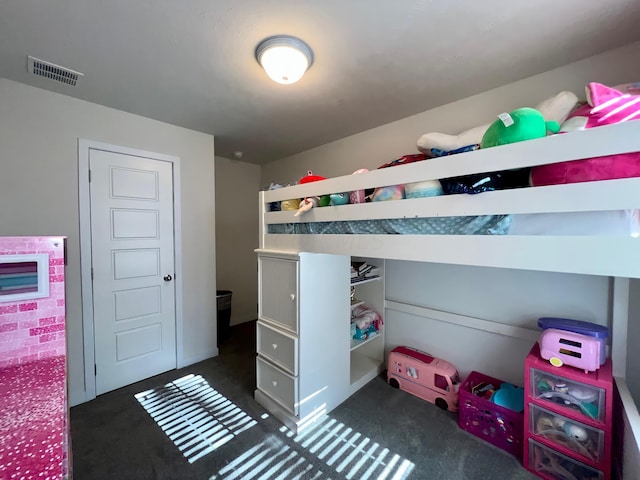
(34, 430)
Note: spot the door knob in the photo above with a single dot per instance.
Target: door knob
(168, 278)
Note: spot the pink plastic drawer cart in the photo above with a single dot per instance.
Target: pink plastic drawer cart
(573, 342)
(427, 377)
(493, 423)
(568, 420)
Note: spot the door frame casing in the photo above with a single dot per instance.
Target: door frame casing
(84, 198)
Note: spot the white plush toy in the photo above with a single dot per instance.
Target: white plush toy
(554, 108)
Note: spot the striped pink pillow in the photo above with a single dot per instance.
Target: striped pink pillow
(605, 106)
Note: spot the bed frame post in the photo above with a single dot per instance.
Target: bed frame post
(619, 326)
(261, 209)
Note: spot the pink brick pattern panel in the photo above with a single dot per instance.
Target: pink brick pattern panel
(34, 433)
(34, 329)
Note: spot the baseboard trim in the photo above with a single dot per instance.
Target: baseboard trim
(185, 362)
(76, 398)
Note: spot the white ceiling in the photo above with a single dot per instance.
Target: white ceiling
(191, 62)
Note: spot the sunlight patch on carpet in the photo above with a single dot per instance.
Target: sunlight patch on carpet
(350, 453)
(327, 449)
(270, 460)
(197, 418)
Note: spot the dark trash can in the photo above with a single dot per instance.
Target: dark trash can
(223, 298)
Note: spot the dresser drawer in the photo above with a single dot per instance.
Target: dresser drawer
(279, 348)
(565, 433)
(279, 385)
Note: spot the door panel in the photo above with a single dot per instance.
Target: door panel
(135, 223)
(137, 342)
(136, 263)
(137, 302)
(128, 183)
(132, 252)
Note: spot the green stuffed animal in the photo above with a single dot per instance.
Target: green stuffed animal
(519, 125)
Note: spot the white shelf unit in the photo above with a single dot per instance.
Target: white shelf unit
(366, 280)
(355, 343)
(305, 363)
(367, 356)
(356, 303)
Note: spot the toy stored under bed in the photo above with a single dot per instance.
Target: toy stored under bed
(588, 227)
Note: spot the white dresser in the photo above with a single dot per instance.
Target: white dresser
(303, 359)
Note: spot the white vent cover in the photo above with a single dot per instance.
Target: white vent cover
(54, 72)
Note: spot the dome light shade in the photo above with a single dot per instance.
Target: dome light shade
(284, 58)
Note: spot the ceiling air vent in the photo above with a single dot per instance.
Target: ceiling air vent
(54, 72)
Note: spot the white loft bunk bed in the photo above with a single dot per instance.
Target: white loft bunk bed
(598, 247)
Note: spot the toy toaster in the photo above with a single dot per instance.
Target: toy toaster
(573, 342)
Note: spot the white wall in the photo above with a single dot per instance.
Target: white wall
(514, 297)
(39, 133)
(237, 186)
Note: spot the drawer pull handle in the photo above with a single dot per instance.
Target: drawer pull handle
(292, 296)
(275, 384)
(275, 345)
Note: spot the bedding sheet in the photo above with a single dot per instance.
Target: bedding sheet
(611, 223)
(480, 225)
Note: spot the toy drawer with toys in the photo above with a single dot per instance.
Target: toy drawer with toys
(549, 464)
(587, 400)
(563, 433)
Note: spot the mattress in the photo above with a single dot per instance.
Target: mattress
(608, 223)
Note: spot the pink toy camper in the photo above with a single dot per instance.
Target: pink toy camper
(563, 347)
(573, 342)
(432, 379)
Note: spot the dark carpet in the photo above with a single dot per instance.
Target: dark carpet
(201, 422)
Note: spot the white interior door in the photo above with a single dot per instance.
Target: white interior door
(132, 250)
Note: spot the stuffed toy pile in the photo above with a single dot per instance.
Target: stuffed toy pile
(517, 126)
(555, 108)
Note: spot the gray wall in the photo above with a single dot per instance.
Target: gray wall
(39, 133)
(237, 186)
(633, 340)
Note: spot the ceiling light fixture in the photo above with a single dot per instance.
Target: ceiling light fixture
(284, 58)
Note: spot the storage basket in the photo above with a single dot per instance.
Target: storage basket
(493, 423)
